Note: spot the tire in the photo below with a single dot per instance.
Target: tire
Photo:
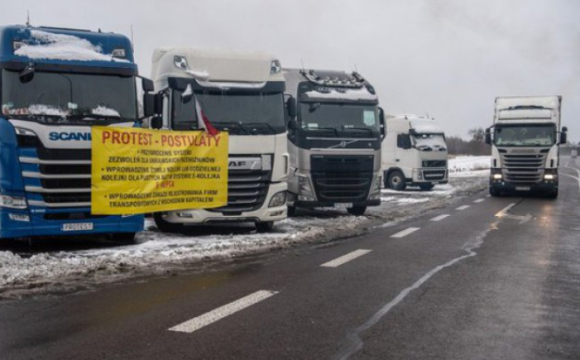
(357, 210)
(494, 192)
(265, 226)
(166, 226)
(397, 181)
(426, 187)
(124, 238)
(291, 211)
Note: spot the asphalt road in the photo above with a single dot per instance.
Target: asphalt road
(498, 278)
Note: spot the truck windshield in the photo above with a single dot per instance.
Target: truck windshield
(65, 98)
(525, 135)
(344, 119)
(238, 113)
(430, 142)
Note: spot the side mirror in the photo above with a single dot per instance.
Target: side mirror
(291, 108)
(564, 135)
(382, 124)
(156, 122)
(487, 136)
(27, 74)
(404, 141)
(147, 85)
(293, 125)
(148, 105)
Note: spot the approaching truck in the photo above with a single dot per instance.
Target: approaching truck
(524, 145)
(241, 92)
(335, 132)
(56, 85)
(413, 153)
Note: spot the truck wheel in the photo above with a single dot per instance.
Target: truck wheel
(291, 211)
(426, 187)
(124, 238)
(166, 226)
(265, 226)
(494, 192)
(397, 181)
(357, 210)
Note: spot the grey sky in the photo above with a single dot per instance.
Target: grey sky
(448, 58)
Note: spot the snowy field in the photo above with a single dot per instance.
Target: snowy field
(66, 265)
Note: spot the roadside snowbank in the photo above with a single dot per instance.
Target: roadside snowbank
(469, 165)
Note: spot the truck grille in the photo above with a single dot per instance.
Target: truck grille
(247, 190)
(435, 163)
(64, 176)
(523, 168)
(434, 175)
(342, 178)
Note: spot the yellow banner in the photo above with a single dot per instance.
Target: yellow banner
(135, 171)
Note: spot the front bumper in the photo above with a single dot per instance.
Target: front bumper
(428, 176)
(315, 204)
(39, 226)
(541, 187)
(264, 214)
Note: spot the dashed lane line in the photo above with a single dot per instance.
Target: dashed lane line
(222, 312)
(479, 200)
(463, 207)
(346, 258)
(440, 217)
(405, 232)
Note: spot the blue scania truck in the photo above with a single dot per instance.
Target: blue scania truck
(55, 85)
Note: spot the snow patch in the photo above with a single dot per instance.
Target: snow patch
(468, 165)
(422, 126)
(105, 111)
(348, 94)
(62, 47)
(39, 109)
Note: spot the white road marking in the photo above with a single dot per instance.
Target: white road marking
(463, 207)
(346, 258)
(504, 211)
(221, 312)
(440, 217)
(405, 232)
(479, 200)
(487, 195)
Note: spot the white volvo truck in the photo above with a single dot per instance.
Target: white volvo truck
(524, 145)
(413, 153)
(335, 138)
(241, 92)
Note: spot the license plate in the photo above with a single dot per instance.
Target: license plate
(343, 205)
(77, 226)
(523, 188)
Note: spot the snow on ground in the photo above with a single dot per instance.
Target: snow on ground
(468, 164)
(64, 268)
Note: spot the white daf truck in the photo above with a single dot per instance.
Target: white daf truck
(241, 92)
(413, 153)
(524, 146)
(335, 134)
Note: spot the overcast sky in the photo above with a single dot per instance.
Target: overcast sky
(447, 58)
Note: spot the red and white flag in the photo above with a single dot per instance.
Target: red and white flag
(203, 121)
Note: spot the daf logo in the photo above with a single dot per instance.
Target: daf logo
(238, 163)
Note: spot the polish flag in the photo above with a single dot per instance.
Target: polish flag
(203, 121)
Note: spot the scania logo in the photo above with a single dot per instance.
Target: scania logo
(69, 136)
(523, 151)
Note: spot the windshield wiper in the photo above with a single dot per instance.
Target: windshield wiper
(359, 128)
(226, 125)
(323, 128)
(260, 124)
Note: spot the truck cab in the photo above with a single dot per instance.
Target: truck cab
(241, 92)
(57, 84)
(413, 153)
(334, 140)
(524, 143)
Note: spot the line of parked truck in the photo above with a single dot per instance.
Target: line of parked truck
(299, 138)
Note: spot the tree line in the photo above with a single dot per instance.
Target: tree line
(474, 146)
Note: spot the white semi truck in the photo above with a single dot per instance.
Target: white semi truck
(335, 135)
(413, 153)
(241, 92)
(524, 145)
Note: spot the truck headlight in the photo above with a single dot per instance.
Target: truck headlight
(13, 202)
(278, 199)
(304, 186)
(375, 192)
(497, 176)
(549, 177)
